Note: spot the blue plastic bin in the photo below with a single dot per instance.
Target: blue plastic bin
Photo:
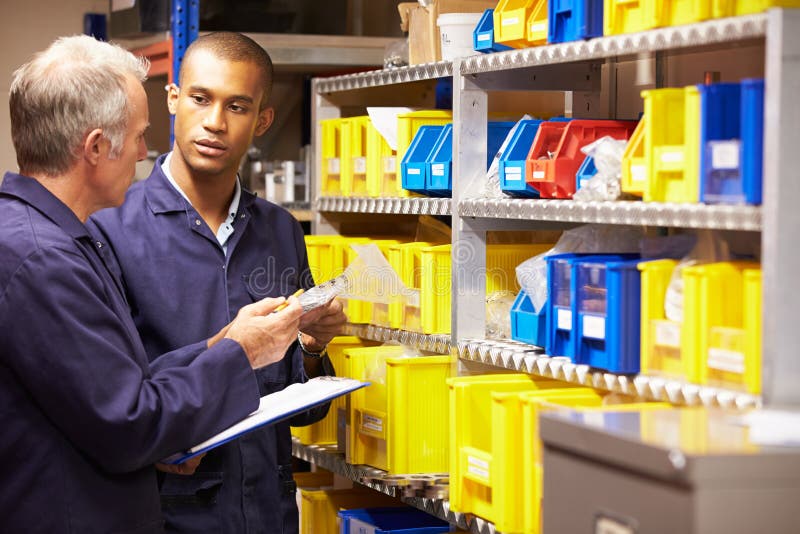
(527, 325)
(731, 142)
(483, 35)
(607, 318)
(574, 20)
(389, 520)
(512, 161)
(414, 163)
(560, 340)
(585, 172)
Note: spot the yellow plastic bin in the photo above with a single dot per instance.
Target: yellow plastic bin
(628, 16)
(331, 167)
(679, 12)
(406, 258)
(672, 144)
(319, 508)
(381, 166)
(324, 432)
(734, 358)
(399, 423)
(520, 23)
(634, 171)
(407, 126)
(362, 311)
(729, 8)
(355, 133)
(322, 256)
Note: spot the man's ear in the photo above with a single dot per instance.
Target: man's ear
(172, 98)
(92, 146)
(265, 118)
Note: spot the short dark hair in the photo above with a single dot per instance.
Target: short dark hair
(235, 47)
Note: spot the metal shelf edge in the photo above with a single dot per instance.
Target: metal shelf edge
(438, 343)
(376, 78)
(385, 205)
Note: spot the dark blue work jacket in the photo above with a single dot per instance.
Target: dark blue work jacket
(83, 412)
(182, 287)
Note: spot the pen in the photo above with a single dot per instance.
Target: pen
(283, 305)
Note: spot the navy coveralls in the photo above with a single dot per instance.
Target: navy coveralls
(83, 413)
(182, 287)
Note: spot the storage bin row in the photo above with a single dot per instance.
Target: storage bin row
(609, 312)
(526, 23)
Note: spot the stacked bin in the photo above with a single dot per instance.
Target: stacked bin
(634, 172)
(483, 37)
(672, 144)
(381, 165)
(330, 171)
(521, 23)
(407, 126)
(398, 424)
(319, 508)
(406, 260)
(512, 164)
(555, 155)
(361, 311)
(574, 20)
(399, 520)
(414, 165)
(586, 172)
(527, 325)
(731, 142)
(354, 155)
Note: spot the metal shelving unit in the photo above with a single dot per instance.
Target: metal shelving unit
(530, 359)
(377, 78)
(387, 205)
(438, 343)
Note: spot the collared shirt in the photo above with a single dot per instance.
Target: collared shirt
(181, 286)
(85, 414)
(226, 228)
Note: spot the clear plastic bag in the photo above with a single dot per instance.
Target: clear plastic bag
(498, 314)
(605, 185)
(491, 185)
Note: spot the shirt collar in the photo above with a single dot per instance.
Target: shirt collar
(30, 191)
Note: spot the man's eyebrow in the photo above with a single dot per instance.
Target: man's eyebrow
(242, 98)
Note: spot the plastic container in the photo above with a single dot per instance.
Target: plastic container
(415, 160)
(672, 144)
(439, 168)
(634, 172)
(527, 325)
(555, 155)
(678, 12)
(512, 160)
(560, 340)
(330, 169)
(381, 166)
(319, 508)
(608, 314)
(407, 126)
(483, 36)
(406, 259)
(574, 20)
(628, 16)
(455, 30)
(399, 423)
(354, 155)
(585, 172)
(400, 520)
(324, 432)
(729, 8)
(731, 142)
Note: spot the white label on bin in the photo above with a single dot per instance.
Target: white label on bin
(510, 20)
(390, 164)
(538, 175)
(671, 157)
(412, 170)
(564, 319)
(333, 165)
(726, 360)
(478, 467)
(369, 422)
(538, 27)
(724, 154)
(484, 37)
(595, 419)
(668, 334)
(513, 174)
(594, 326)
(638, 174)
(437, 169)
(359, 165)
(583, 182)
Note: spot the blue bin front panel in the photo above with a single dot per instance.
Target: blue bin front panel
(483, 35)
(528, 326)
(414, 164)
(439, 175)
(560, 321)
(512, 161)
(574, 20)
(495, 135)
(752, 139)
(390, 521)
(585, 172)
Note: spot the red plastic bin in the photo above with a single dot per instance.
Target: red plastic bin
(556, 154)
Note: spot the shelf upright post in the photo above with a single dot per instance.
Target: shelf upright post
(780, 254)
(321, 109)
(470, 129)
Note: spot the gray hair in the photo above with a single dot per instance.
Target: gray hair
(74, 86)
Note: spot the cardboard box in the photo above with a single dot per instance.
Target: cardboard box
(424, 44)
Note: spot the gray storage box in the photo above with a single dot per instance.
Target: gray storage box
(671, 471)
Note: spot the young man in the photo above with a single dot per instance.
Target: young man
(84, 413)
(194, 247)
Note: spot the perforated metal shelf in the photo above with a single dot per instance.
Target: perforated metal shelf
(389, 205)
(701, 34)
(439, 343)
(327, 458)
(638, 213)
(529, 359)
(375, 78)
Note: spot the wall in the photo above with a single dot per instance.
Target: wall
(26, 28)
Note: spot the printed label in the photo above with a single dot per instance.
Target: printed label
(668, 334)
(369, 422)
(484, 37)
(594, 326)
(564, 319)
(359, 165)
(437, 169)
(390, 164)
(726, 360)
(538, 174)
(333, 165)
(539, 27)
(412, 170)
(671, 157)
(725, 155)
(478, 467)
(513, 174)
(638, 173)
(510, 20)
